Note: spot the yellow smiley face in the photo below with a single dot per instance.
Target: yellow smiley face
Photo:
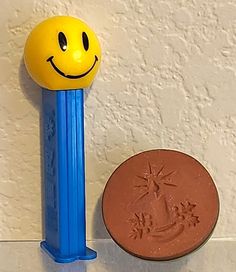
(62, 53)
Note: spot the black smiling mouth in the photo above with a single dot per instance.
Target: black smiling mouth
(50, 59)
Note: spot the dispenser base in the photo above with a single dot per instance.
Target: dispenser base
(90, 254)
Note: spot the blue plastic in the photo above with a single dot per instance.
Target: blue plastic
(64, 176)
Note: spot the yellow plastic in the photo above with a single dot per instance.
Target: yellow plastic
(59, 56)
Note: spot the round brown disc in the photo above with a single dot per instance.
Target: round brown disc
(160, 205)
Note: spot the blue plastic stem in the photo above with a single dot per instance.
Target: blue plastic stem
(64, 176)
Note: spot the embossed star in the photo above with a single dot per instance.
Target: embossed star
(152, 181)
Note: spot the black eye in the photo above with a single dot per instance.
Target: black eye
(62, 41)
(85, 41)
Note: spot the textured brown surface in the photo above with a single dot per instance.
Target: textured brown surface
(160, 204)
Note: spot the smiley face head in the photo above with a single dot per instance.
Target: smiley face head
(62, 53)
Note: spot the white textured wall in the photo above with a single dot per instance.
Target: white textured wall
(168, 80)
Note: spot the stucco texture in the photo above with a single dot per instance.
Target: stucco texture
(167, 80)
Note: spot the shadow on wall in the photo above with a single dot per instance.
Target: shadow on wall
(29, 88)
(32, 93)
(99, 229)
